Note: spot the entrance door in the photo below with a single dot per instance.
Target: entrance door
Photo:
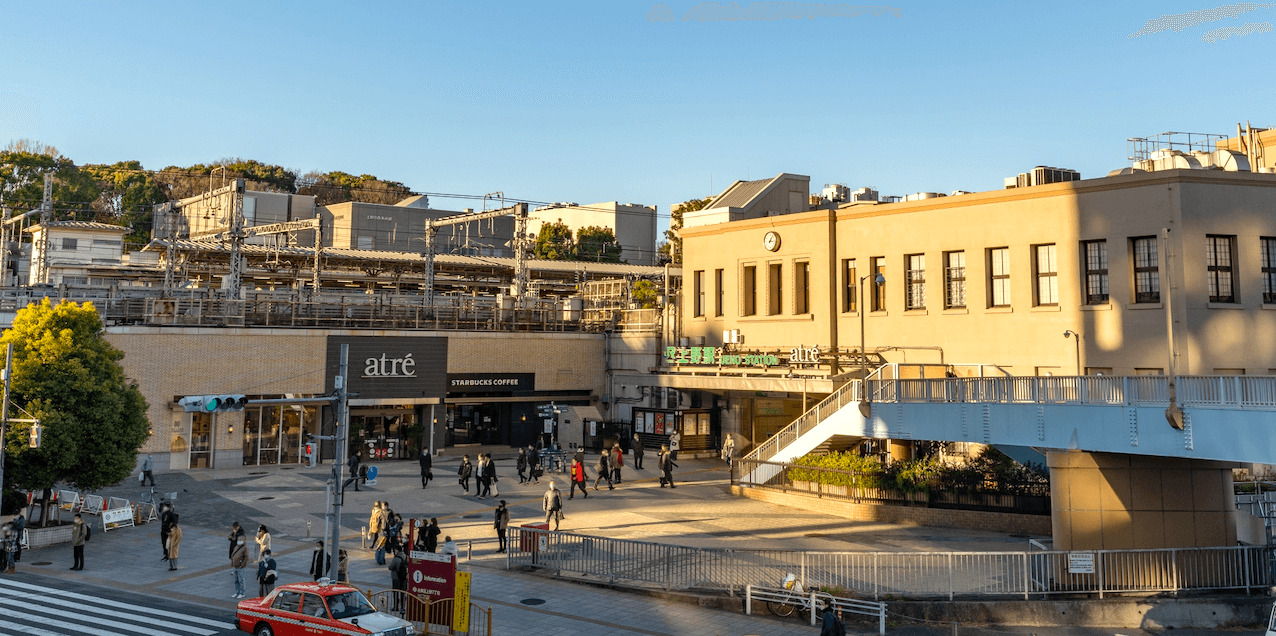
(269, 444)
(201, 440)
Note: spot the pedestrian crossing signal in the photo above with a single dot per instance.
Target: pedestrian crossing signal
(213, 403)
(311, 453)
(36, 432)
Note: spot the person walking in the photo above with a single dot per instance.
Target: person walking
(666, 467)
(552, 504)
(521, 465)
(235, 537)
(174, 542)
(501, 523)
(637, 445)
(9, 544)
(427, 467)
(617, 462)
(320, 562)
(578, 479)
(266, 574)
(675, 443)
(728, 450)
(534, 464)
(148, 470)
(79, 536)
(343, 566)
(166, 525)
(483, 479)
(431, 541)
(831, 623)
(263, 542)
(398, 580)
(394, 534)
(376, 529)
(491, 473)
(355, 459)
(463, 473)
(238, 561)
(604, 471)
(19, 524)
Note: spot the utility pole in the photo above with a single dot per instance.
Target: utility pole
(340, 384)
(4, 409)
(46, 217)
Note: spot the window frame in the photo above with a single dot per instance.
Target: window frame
(998, 283)
(1095, 271)
(801, 287)
(1045, 272)
(697, 293)
(1215, 272)
(749, 289)
(719, 279)
(1152, 271)
(878, 264)
(954, 280)
(915, 282)
(775, 288)
(1267, 267)
(850, 286)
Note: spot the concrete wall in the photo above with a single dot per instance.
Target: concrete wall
(396, 228)
(634, 225)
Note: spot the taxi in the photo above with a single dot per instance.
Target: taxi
(321, 608)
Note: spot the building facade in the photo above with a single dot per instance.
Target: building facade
(633, 224)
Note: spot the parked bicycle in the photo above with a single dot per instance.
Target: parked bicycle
(798, 598)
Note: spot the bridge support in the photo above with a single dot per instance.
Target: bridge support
(1108, 501)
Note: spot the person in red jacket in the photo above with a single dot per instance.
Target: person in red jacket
(578, 479)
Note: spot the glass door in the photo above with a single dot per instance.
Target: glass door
(290, 435)
(269, 444)
(252, 430)
(201, 440)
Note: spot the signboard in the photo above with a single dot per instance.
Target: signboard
(505, 383)
(391, 367)
(715, 356)
(660, 424)
(461, 603)
(768, 407)
(593, 428)
(432, 576)
(117, 518)
(372, 475)
(1080, 563)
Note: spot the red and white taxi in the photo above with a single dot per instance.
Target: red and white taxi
(311, 609)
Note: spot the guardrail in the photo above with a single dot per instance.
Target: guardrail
(903, 574)
(1230, 391)
(778, 597)
(430, 616)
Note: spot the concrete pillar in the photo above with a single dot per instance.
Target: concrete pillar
(1106, 501)
(901, 450)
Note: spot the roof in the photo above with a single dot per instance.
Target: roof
(740, 193)
(82, 225)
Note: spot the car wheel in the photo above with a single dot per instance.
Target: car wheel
(263, 629)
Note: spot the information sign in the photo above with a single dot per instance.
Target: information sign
(117, 518)
(433, 576)
(372, 475)
(461, 603)
(1080, 563)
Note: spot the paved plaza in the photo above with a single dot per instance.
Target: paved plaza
(290, 501)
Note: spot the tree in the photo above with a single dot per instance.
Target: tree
(597, 244)
(671, 249)
(645, 294)
(69, 377)
(554, 242)
(127, 195)
(339, 187)
(264, 177)
(23, 165)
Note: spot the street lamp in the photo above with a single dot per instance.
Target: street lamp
(1077, 336)
(878, 281)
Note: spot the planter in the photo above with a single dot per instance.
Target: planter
(40, 537)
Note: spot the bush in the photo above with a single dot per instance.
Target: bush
(990, 472)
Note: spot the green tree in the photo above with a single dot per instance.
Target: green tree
(339, 187)
(646, 294)
(671, 248)
(23, 164)
(597, 244)
(69, 377)
(554, 242)
(264, 177)
(127, 195)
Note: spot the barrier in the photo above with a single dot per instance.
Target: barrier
(93, 505)
(116, 502)
(117, 518)
(822, 601)
(145, 513)
(430, 616)
(69, 500)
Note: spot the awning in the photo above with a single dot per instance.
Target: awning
(585, 413)
(393, 401)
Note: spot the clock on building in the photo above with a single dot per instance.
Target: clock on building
(771, 241)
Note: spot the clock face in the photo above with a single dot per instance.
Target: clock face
(771, 241)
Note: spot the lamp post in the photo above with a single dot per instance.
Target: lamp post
(1077, 336)
(878, 280)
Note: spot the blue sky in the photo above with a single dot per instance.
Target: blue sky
(591, 101)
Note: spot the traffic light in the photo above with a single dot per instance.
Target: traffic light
(36, 431)
(213, 403)
(312, 453)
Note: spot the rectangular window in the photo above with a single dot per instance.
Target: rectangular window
(850, 285)
(697, 282)
(954, 280)
(1047, 272)
(70, 244)
(775, 289)
(1268, 246)
(915, 281)
(879, 291)
(1147, 278)
(1220, 253)
(999, 277)
(717, 292)
(749, 290)
(1095, 255)
(801, 287)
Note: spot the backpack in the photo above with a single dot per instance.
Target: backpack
(88, 532)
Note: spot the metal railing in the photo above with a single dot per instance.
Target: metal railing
(901, 574)
(821, 601)
(430, 616)
(848, 393)
(1247, 392)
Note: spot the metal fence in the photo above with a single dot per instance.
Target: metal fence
(1028, 497)
(1250, 392)
(430, 616)
(900, 574)
(848, 393)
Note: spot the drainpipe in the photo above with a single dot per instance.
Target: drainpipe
(1173, 414)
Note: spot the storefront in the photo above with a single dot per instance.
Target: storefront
(493, 408)
(697, 426)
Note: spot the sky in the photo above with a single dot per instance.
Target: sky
(642, 102)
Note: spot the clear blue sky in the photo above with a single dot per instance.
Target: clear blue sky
(591, 101)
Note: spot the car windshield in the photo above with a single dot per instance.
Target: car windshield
(349, 604)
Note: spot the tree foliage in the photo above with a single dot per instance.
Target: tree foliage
(127, 193)
(22, 181)
(554, 242)
(671, 249)
(645, 294)
(69, 377)
(193, 180)
(339, 187)
(597, 244)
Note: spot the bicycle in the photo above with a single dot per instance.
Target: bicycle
(798, 599)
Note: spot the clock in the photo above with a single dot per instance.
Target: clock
(771, 241)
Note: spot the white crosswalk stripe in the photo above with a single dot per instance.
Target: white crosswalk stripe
(45, 611)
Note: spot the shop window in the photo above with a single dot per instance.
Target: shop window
(915, 281)
(1220, 253)
(801, 287)
(954, 280)
(1098, 370)
(879, 291)
(1046, 268)
(775, 288)
(1147, 279)
(697, 293)
(717, 292)
(749, 290)
(999, 277)
(849, 285)
(1095, 256)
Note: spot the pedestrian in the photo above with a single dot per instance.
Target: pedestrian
(666, 467)
(263, 542)
(501, 524)
(235, 537)
(427, 466)
(398, 580)
(617, 462)
(491, 473)
(148, 471)
(19, 525)
(355, 459)
(552, 505)
(637, 452)
(9, 544)
(604, 471)
(394, 534)
(80, 534)
(728, 450)
(463, 473)
(432, 532)
(266, 574)
(675, 443)
(482, 478)
(166, 524)
(534, 463)
(343, 566)
(238, 561)
(578, 479)
(521, 465)
(832, 625)
(320, 562)
(377, 524)
(449, 547)
(174, 542)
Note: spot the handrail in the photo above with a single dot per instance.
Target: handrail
(844, 394)
(1246, 392)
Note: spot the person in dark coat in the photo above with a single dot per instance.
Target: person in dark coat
(398, 579)
(832, 623)
(484, 478)
(236, 533)
(501, 523)
(166, 526)
(521, 465)
(637, 452)
(666, 467)
(19, 524)
(265, 580)
(463, 473)
(320, 562)
(604, 471)
(432, 532)
(533, 463)
(427, 466)
(354, 471)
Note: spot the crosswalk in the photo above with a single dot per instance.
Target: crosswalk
(36, 610)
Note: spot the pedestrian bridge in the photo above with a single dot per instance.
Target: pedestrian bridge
(1225, 418)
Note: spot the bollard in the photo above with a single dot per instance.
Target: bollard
(469, 550)
(307, 528)
(363, 534)
(954, 629)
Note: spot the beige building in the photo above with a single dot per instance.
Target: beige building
(74, 248)
(633, 224)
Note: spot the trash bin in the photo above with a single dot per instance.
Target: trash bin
(527, 540)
